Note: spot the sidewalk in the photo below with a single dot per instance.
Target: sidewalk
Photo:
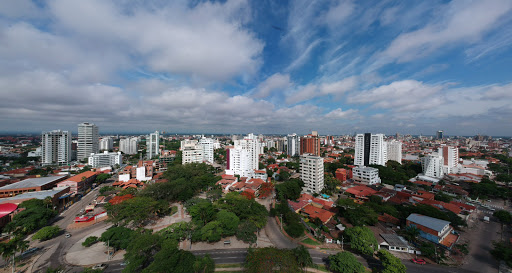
(95, 254)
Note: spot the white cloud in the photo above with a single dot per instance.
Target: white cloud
(339, 13)
(499, 92)
(339, 114)
(460, 22)
(271, 84)
(310, 91)
(339, 87)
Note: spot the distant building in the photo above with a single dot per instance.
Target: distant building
(394, 151)
(293, 145)
(191, 152)
(207, 145)
(432, 229)
(439, 134)
(370, 150)
(242, 159)
(310, 144)
(432, 165)
(450, 158)
(153, 145)
(129, 146)
(312, 172)
(105, 159)
(79, 183)
(30, 185)
(106, 144)
(366, 175)
(88, 140)
(342, 175)
(55, 148)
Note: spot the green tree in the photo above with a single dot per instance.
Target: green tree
(502, 252)
(171, 259)
(137, 211)
(345, 262)
(229, 222)
(443, 197)
(503, 216)
(303, 257)
(102, 177)
(214, 194)
(247, 232)
(391, 263)
(178, 231)
(35, 216)
(212, 232)
(46, 233)
(204, 264)
(245, 209)
(203, 212)
(362, 240)
(290, 189)
(117, 237)
(140, 252)
(89, 241)
(269, 259)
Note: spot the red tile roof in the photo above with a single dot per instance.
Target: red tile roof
(78, 177)
(361, 191)
(314, 212)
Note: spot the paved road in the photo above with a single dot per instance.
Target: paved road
(276, 236)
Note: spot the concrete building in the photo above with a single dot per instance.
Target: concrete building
(450, 158)
(439, 134)
(371, 149)
(394, 151)
(80, 183)
(432, 165)
(293, 145)
(106, 144)
(207, 146)
(55, 148)
(312, 173)
(191, 151)
(105, 159)
(366, 175)
(242, 159)
(88, 140)
(153, 145)
(129, 146)
(310, 144)
(30, 185)
(432, 229)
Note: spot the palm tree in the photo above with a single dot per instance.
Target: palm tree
(47, 201)
(412, 232)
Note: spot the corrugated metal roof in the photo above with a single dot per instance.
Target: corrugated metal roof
(395, 240)
(35, 194)
(432, 223)
(32, 182)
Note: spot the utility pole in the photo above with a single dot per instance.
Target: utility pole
(342, 243)
(281, 222)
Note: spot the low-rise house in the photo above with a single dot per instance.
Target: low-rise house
(79, 183)
(313, 212)
(433, 229)
(361, 191)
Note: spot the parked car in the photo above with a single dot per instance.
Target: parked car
(100, 266)
(418, 261)
(67, 235)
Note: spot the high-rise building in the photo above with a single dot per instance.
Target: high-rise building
(371, 149)
(55, 148)
(293, 145)
(450, 158)
(207, 147)
(242, 159)
(395, 151)
(439, 134)
(129, 146)
(153, 145)
(310, 144)
(432, 165)
(366, 175)
(88, 140)
(312, 173)
(105, 159)
(106, 144)
(191, 151)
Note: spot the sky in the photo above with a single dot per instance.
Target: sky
(271, 67)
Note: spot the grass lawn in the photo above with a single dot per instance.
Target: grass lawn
(228, 265)
(309, 241)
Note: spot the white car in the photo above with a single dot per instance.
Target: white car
(100, 266)
(67, 235)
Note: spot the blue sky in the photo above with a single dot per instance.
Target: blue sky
(237, 66)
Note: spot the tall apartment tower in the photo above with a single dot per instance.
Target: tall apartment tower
(129, 146)
(242, 159)
(293, 144)
(371, 149)
(394, 148)
(153, 145)
(55, 148)
(106, 144)
(432, 165)
(310, 144)
(88, 140)
(312, 173)
(450, 158)
(207, 147)
(439, 134)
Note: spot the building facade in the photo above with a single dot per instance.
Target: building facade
(366, 175)
(88, 140)
(105, 159)
(207, 146)
(312, 173)
(293, 145)
(55, 148)
(394, 152)
(191, 152)
(450, 158)
(371, 149)
(106, 144)
(129, 146)
(310, 144)
(432, 165)
(153, 145)
(242, 159)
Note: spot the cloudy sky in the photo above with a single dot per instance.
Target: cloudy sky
(262, 66)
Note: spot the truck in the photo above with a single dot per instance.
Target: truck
(486, 219)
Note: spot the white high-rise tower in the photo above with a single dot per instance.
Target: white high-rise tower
(153, 145)
(55, 148)
(371, 149)
(88, 140)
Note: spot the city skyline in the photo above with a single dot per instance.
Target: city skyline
(336, 67)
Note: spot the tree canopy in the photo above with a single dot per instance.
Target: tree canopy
(137, 211)
(391, 263)
(269, 259)
(345, 262)
(47, 233)
(362, 240)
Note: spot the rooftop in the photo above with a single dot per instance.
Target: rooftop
(429, 222)
(35, 194)
(32, 183)
(395, 240)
